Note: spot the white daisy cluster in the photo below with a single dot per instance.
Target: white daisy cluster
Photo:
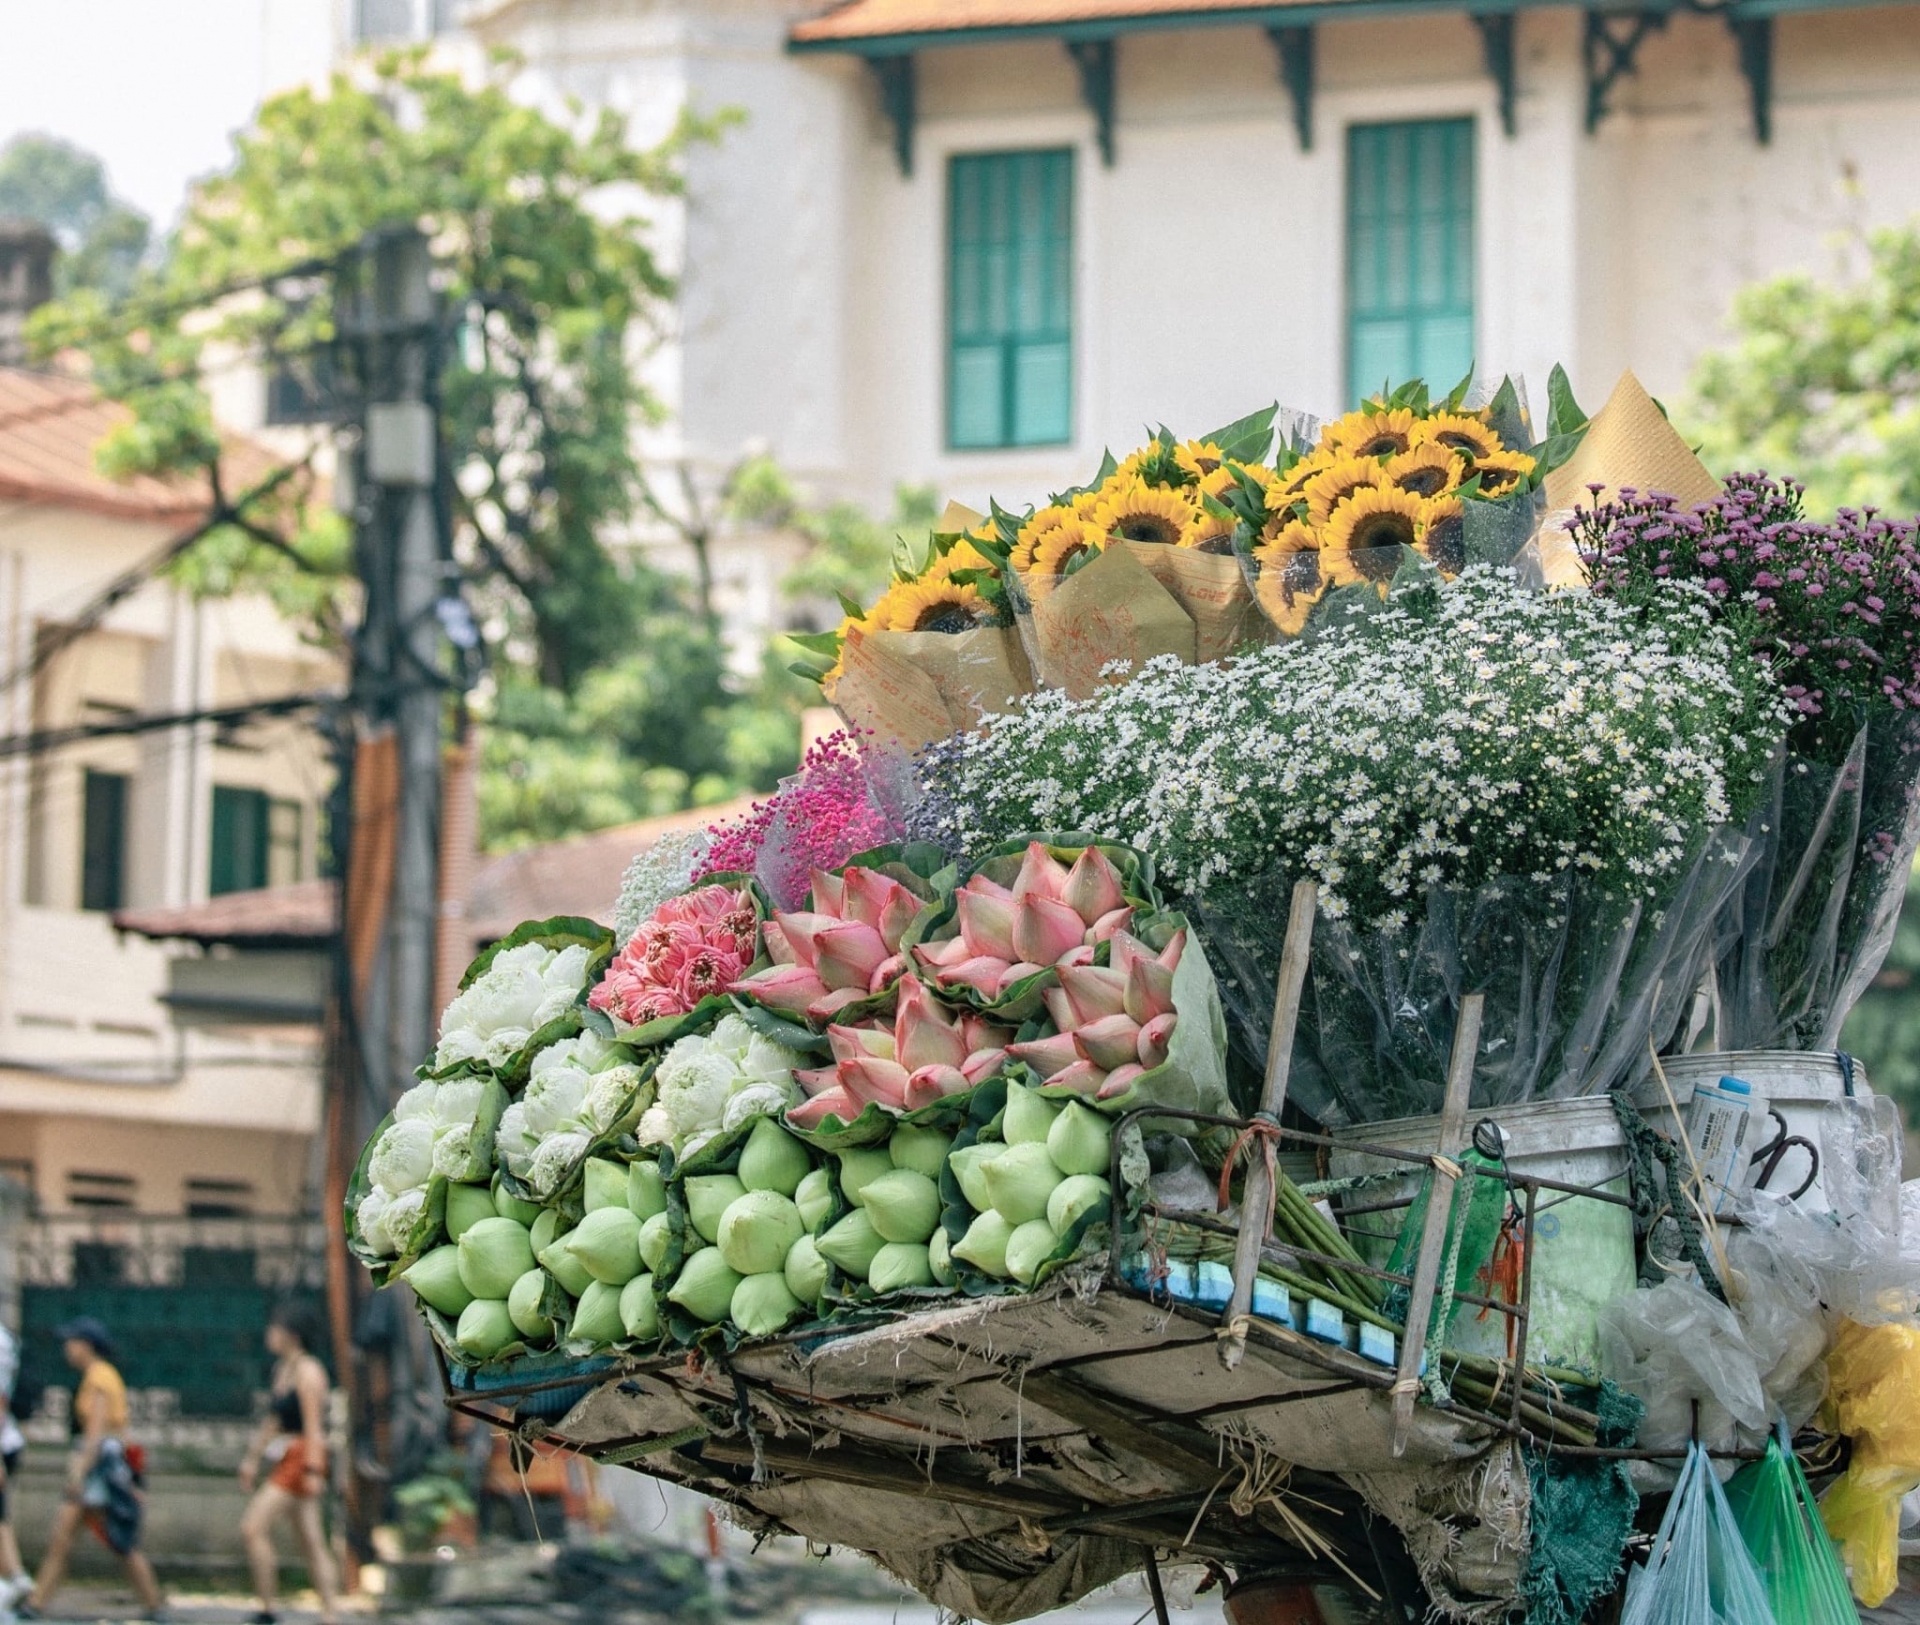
(663, 870)
(1463, 733)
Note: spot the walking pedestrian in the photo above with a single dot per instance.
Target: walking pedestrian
(15, 1582)
(104, 1473)
(292, 1444)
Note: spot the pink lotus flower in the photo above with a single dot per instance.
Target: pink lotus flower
(1092, 886)
(1086, 994)
(879, 901)
(1155, 1036)
(833, 1101)
(986, 923)
(1083, 1078)
(1109, 1042)
(983, 975)
(849, 945)
(981, 1033)
(1045, 931)
(982, 1064)
(871, 1078)
(931, 1083)
(847, 953)
(1041, 875)
(922, 1035)
(694, 946)
(1120, 1080)
(1046, 1055)
(791, 989)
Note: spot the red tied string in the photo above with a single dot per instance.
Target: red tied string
(1502, 1274)
(1267, 1132)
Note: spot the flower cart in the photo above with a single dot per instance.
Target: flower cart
(1237, 1062)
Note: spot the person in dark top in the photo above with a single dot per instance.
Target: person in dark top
(104, 1472)
(291, 1444)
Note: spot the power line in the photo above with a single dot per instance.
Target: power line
(43, 740)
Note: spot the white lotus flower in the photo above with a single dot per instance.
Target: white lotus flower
(453, 1152)
(765, 1098)
(553, 1099)
(370, 1219)
(554, 1158)
(521, 991)
(402, 1159)
(416, 1102)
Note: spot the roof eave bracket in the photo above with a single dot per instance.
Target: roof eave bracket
(1610, 50)
(894, 75)
(1094, 59)
(1294, 44)
(1496, 46)
(1753, 38)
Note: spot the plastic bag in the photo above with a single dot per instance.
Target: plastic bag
(1874, 1373)
(1700, 1572)
(1774, 1509)
(1675, 1344)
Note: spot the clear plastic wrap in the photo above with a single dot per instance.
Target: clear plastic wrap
(1575, 984)
(1699, 1572)
(1805, 935)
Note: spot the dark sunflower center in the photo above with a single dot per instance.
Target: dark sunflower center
(944, 618)
(1465, 444)
(1423, 482)
(1376, 542)
(1061, 565)
(1206, 465)
(1446, 544)
(1495, 480)
(1384, 444)
(1148, 527)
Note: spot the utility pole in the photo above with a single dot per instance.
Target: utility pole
(387, 318)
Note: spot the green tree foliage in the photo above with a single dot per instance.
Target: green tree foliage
(102, 239)
(1822, 381)
(609, 695)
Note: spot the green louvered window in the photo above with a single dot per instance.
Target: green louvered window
(1009, 300)
(1409, 254)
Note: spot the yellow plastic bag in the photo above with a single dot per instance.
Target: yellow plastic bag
(1873, 1376)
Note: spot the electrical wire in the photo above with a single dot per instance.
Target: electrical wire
(43, 740)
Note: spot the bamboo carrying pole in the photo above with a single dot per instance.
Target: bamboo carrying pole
(1256, 1201)
(1433, 1238)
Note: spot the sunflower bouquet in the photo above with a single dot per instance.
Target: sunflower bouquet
(1398, 476)
(937, 651)
(1140, 562)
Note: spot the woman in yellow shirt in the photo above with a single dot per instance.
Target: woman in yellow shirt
(102, 1480)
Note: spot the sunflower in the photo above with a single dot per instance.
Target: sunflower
(1059, 550)
(1144, 513)
(1035, 531)
(1426, 471)
(1334, 485)
(1284, 489)
(1378, 433)
(1364, 539)
(1465, 436)
(1502, 472)
(1198, 458)
(1443, 533)
(1208, 532)
(1291, 581)
(931, 606)
(1223, 480)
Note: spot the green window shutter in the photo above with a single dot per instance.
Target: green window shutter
(241, 840)
(1009, 300)
(1410, 254)
(103, 840)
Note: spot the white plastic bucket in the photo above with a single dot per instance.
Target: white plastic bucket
(1808, 1089)
(1583, 1255)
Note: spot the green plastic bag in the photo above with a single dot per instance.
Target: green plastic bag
(1699, 1572)
(1774, 1509)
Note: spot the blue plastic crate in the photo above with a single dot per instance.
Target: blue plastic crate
(510, 1380)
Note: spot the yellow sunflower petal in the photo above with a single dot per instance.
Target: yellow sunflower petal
(1290, 580)
(1502, 471)
(1363, 541)
(1464, 435)
(1331, 487)
(1144, 513)
(1209, 532)
(1426, 471)
(1034, 531)
(1198, 457)
(1370, 433)
(934, 606)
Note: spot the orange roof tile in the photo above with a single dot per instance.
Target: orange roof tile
(50, 426)
(860, 20)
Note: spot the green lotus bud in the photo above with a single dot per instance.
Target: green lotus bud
(646, 1188)
(639, 1312)
(705, 1286)
(709, 1196)
(851, 1244)
(806, 1271)
(922, 1149)
(1075, 1196)
(467, 1205)
(540, 1235)
(656, 1239)
(904, 1205)
(485, 1328)
(762, 1305)
(968, 1170)
(596, 1317)
(900, 1264)
(1030, 1246)
(984, 1246)
(559, 1262)
(860, 1166)
(494, 1253)
(435, 1276)
(772, 1159)
(1020, 1179)
(523, 1304)
(1028, 1118)
(814, 1198)
(607, 1243)
(1080, 1141)
(605, 1184)
(756, 1231)
(509, 1206)
(940, 1256)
